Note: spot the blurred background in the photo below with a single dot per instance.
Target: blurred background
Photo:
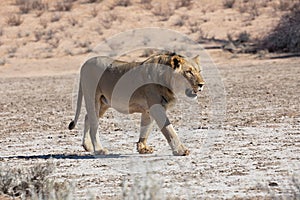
(38, 29)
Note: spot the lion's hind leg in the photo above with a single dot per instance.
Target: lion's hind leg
(91, 139)
(146, 126)
(86, 141)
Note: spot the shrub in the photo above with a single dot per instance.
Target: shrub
(92, 1)
(94, 12)
(243, 37)
(254, 12)
(285, 37)
(182, 3)
(146, 4)
(33, 183)
(228, 3)
(107, 20)
(284, 5)
(163, 10)
(123, 3)
(14, 20)
(65, 5)
(186, 3)
(25, 6)
(73, 21)
(38, 35)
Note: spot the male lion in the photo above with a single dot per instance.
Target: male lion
(146, 87)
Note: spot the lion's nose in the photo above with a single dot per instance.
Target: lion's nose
(200, 86)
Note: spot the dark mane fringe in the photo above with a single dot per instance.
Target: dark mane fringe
(160, 58)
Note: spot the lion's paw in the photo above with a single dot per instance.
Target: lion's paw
(144, 149)
(88, 148)
(181, 152)
(101, 152)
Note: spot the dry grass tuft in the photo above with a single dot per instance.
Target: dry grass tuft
(72, 21)
(146, 4)
(252, 8)
(124, 3)
(182, 3)
(284, 5)
(25, 6)
(228, 3)
(107, 20)
(14, 20)
(94, 12)
(163, 10)
(92, 1)
(65, 5)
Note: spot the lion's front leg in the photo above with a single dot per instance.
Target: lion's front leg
(146, 126)
(177, 147)
(158, 112)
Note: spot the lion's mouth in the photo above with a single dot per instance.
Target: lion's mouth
(191, 94)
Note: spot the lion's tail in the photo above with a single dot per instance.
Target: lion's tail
(78, 108)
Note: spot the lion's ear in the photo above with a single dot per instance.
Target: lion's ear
(197, 59)
(176, 62)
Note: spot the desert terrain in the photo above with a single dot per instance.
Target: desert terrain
(252, 153)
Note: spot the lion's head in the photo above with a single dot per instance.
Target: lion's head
(190, 69)
(185, 73)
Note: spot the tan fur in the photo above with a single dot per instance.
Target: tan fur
(151, 99)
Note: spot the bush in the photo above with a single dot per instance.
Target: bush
(163, 10)
(14, 20)
(33, 183)
(65, 5)
(123, 3)
(228, 3)
(285, 37)
(243, 37)
(25, 6)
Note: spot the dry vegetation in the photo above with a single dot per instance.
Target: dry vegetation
(285, 37)
(52, 23)
(14, 20)
(33, 183)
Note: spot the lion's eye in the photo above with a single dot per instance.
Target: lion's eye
(190, 72)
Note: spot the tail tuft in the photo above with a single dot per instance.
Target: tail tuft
(71, 125)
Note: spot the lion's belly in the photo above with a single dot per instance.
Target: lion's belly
(129, 108)
(126, 105)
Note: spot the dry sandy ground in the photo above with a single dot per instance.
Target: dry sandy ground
(253, 155)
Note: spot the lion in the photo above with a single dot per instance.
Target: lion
(147, 87)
